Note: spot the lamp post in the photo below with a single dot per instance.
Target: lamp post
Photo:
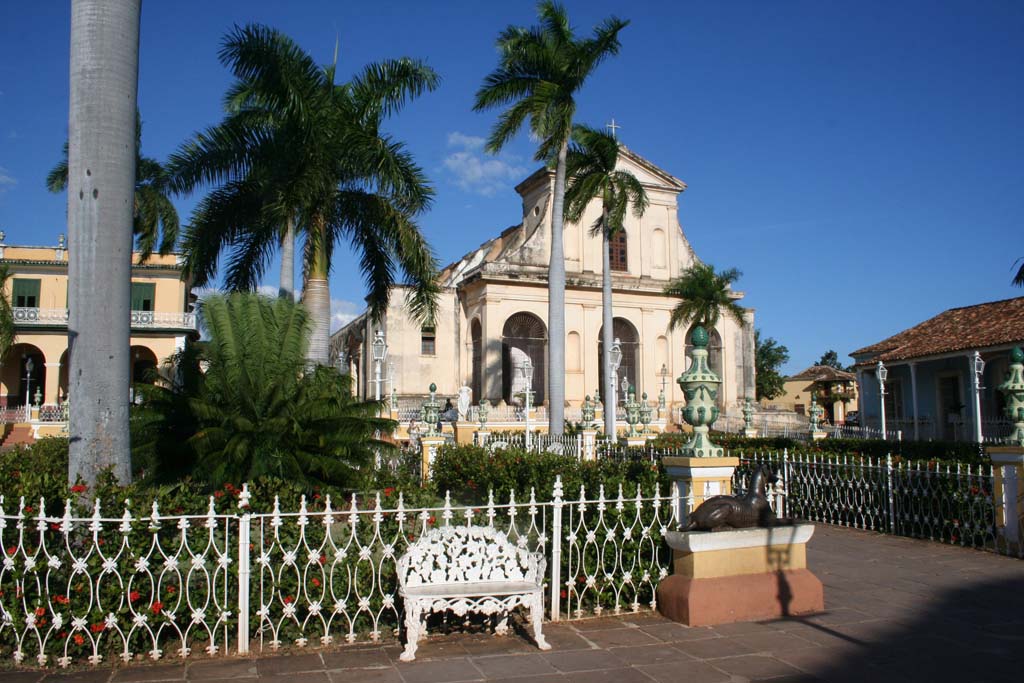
(662, 401)
(979, 372)
(526, 373)
(882, 373)
(611, 404)
(29, 366)
(380, 353)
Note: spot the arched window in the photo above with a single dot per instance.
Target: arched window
(523, 336)
(629, 368)
(617, 248)
(477, 382)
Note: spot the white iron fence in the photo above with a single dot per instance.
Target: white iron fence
(945, 502)
(79, 589)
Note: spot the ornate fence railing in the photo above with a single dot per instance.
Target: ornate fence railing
(939, 501)
(139, 319)
(85, 589)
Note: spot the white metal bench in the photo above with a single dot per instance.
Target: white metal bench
(469, 569)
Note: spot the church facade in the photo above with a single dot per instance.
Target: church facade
(493, 311)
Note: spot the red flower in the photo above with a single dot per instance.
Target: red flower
(389, 491)
(79, 488)
(40, 611)
(316, 496)
(98, 628)
(315, 582)
(54, 526)
(62, 634)
(61, 599)
(288, 599)
(133, 596)
(323, 559)
(431, 519)
(218, 494)
(12, 550)
(41, 623)
(29, 508)
(564, 594)
(157, 607)
(171, 590)
(79, 639)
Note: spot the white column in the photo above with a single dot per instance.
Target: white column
(913, 394)
(860, 397)
(976, 390)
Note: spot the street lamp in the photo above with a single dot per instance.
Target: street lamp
(29, 366)
(611, 404)
(380, 353)
(979, 372)
(526, 373)
(882, 373)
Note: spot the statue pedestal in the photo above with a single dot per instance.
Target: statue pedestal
(464, 432)
(818, 435)
(430, 446)
(721, 577)
(589, 444)
(698, 478)
(635, 441)
(750, 433)
(1008, 490)
(482, 436)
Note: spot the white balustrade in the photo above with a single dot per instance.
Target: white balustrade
(139, 319)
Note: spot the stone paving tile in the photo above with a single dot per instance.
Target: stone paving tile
(221, 669)
(305, 677)
(288, 664)
(389, 675)
(755, 667)
(547, 678)
(583, 660)
(688, 672)
(84, 676)
(157, 672)
(510, 666)
(21, 676)
(649, 654)
(775, 641)
(565, 639)
(670, 632)
(448, 670)
(500, 645)
(357, 659)
(714, 648)
(609, 676)
(618, 637)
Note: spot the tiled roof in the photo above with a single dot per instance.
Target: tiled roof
(971, 327)
(824, 373)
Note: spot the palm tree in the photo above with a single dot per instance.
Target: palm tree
(592, 173)
(7, 332)
(295, 143)
(1018, 279)
(540, 71)
(154, 217)
(253, 410)
(705, 296)
(101, 188)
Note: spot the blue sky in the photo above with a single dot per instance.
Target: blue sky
(860, 162)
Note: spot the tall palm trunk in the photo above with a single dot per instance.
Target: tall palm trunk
(607, 323)
(287, 287)
(556, 304)
(317, 295)
(101, 190)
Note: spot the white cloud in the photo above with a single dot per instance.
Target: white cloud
(342, 313)
(478, 172)
(268, 290)
(6, 180)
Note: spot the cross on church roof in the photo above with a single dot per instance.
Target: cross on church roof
(614, 127)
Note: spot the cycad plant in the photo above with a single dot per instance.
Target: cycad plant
(296, 145)
(155, 220)
(592, 174)
(540, 72)
(7, 332)
(243, 404)
(705, 295)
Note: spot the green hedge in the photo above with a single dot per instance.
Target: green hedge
(953, 451)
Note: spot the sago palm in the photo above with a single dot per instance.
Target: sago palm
(295, 143)
(155, 220)
(705, 295)
(592, 174)
(540, 72)
(253, 409)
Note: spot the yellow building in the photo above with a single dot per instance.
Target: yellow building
(493, 311)
(836, 391)
(36, 367)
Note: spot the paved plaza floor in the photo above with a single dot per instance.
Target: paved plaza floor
(897, 610)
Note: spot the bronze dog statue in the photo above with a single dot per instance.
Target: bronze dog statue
(736, 512)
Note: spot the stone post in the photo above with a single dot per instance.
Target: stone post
(645, 418)
(430, 443)
(705, 470)
(599, 410)
(632, 438)
(482, 434)
(1008, 460)
(749, 431)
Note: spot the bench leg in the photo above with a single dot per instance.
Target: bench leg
(537, 620)
(502, 627)
(415, 625)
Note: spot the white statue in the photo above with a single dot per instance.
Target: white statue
(465, 400)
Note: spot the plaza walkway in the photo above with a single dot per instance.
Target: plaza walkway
(898, 610)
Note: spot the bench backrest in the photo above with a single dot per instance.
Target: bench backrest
(465, 554)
